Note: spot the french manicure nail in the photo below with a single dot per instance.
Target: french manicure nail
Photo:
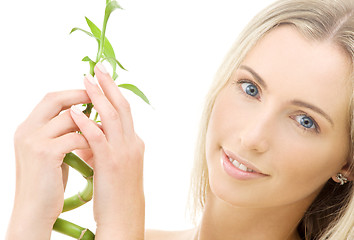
(101, 68)
(76, 110)
(91, 79)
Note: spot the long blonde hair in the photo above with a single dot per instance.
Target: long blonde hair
(331, 215)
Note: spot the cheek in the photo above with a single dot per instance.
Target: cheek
(302, 166)
(322, 156)
(227, 118)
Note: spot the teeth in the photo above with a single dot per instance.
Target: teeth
(240, 165)
(243, 167)
(236, 164)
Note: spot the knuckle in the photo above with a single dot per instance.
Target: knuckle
(113, 115)
(50, 96)
(36, 147)
(141, 144)
(125, 105)
(19, 133)
(96, 136)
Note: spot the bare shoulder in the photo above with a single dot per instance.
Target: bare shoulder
(152, 234)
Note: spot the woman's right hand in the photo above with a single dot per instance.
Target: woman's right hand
(41, 143)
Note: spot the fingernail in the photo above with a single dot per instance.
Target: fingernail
(101, 68)
(76, 110)
(90, 79)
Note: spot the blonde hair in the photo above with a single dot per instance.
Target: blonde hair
(331, 215)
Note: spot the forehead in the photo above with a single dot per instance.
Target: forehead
(297, 68)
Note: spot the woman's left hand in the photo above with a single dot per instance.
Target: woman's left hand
(117, 160)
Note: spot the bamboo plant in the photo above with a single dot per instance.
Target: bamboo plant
(105, 52)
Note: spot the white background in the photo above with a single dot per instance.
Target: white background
(172, 50)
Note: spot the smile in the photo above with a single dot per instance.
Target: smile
(239, 168)
(240, 165)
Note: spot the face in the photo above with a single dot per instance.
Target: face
(282, 119)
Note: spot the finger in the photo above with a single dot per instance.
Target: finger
(69, 142)
(109, 116)
(93, 134)
(53, 103)
(60, 125)
(116, 98)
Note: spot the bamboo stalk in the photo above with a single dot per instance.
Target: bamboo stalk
(85, 195)
(80, 198)
(72, 230)
(66, 227)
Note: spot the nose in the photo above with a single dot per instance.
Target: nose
(256, 133)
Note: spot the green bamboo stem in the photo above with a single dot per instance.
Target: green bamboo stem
(89, 106)
(73, 230)
(79, 165)
(85, 195)
(66, 227)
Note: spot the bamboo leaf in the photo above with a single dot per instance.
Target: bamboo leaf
(115, 75)
(94, 29)
(108, 51)
(91, 62)
(86, 59)
(136, 91)
(82, 30)
(115, 60)
(110, 7)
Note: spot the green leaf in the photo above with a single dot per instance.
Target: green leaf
(110, 7)
(94, 29)
(86, 59)
(82, 30)
(135, 90)
(108, 51)
(114, 59)
(115, 75)
(92, 63)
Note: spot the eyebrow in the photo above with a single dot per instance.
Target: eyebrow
(293, 102)
(255, 75)
(312, 107)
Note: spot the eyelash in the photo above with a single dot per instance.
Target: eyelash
(240, 82)
(316, 128)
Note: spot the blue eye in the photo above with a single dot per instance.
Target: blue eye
(250, 89)
(305, 121)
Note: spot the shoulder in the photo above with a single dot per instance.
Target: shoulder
(152, 234)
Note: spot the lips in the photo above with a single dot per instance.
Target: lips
(241, 163)
(238, 167)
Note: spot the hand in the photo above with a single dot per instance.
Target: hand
(41, 143)
(117, 160)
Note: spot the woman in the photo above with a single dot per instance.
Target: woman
(274, 158)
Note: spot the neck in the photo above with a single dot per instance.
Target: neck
(222, 221)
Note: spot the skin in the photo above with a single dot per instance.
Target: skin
(263, 130)
(113, 150)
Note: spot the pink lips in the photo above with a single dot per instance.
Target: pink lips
(237, 173)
